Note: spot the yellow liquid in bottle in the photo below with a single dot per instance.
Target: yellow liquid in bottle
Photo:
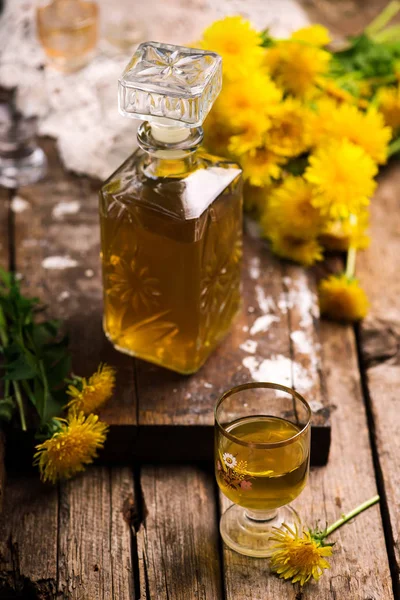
(262, 479)
(171, 271)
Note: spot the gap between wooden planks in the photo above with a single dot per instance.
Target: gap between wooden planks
(157, 414)
(4, 263)
(379, 339)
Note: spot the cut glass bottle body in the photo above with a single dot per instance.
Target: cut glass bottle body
(171, 255)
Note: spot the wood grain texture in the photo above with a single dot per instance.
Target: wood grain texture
(57, 251)
(122, 529)
(94, 559)
(28, 539)
(343, 17)
(377, 268)
(4, 263)
(360, 568)
(178, 540)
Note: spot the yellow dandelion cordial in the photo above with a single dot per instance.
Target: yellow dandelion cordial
(71, 448)
(89, 395)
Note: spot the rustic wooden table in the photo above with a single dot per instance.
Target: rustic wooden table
(150, 531)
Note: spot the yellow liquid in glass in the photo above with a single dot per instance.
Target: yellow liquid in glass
(262, 479)
(68, 30)
(171, 271)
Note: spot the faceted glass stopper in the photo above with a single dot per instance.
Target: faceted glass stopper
(169, 84)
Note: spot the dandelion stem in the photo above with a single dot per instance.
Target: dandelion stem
(388, 13)
(20, 404)
(351, 262)
(345, 518)
(352, 252)
(394, 147)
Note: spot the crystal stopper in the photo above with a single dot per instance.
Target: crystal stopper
(170, 85)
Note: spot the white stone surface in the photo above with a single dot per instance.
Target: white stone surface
(80, 109)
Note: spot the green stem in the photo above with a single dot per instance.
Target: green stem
(390, 34)
(394, 147)
(383, 18)
(352, 252)
(46, 392)
(28, 391)
(20, 404)
(351, 262)
(3, 331)
(345, 518)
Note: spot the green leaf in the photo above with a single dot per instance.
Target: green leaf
(266, 39)
(19, 369)
(59, 371)
(7, 407)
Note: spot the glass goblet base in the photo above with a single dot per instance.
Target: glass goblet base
(15, 172)
(248, 531)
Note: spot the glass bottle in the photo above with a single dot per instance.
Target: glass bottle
(171, 216)
(68, 31)
(22, 161)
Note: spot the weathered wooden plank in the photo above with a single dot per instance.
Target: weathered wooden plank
(360, 566)
(348, 18)
(4, 262)
(377, 268)
(57, 251)
(178, 540)
(94, 559)
(122, 529)
(258, 349)
(28, 539)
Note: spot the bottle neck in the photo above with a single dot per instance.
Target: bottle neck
(171, 150)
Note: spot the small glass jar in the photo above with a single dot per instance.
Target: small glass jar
(68, 31)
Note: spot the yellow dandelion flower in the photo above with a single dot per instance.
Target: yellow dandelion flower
(342, 299)
(317, 121)
(261, 166)
(71, 448)
(389, 106)
(334, 91)
(297, 67)
(290, 209)
(298, 556)
(316, 35)
(237, 42)
(366, 129)
(343, 175)
(89, 395)
(252, 128)
(340, 234)
(254, 95)
(301, 250)
(289, 134)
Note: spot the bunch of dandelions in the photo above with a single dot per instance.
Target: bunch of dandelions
(300, 555)
(73, 442)
(310, 132)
